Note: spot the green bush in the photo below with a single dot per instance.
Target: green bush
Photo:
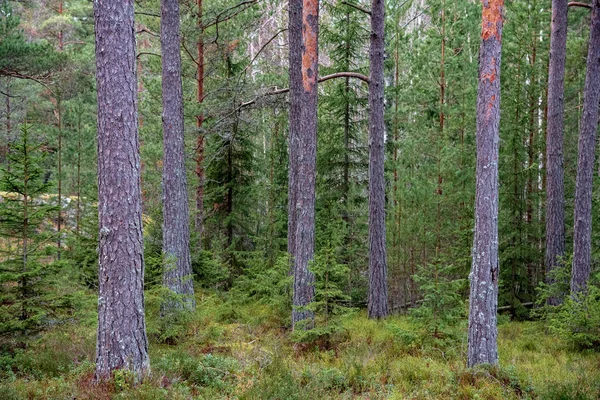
(577, 321)
(207, 371)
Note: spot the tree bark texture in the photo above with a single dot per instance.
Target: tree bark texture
(483, 332)
(177, 274)
(306, 160)
(121, 341)
(295, 76)
(378, 291)
(199, 220)
(555, 191)
(582, 235)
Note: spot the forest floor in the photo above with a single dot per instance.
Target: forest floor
(228, 350)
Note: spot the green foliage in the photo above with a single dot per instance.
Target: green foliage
(20, 57)
(207, 371)
(577, 320)
(23, 214)
(442, 306)
(168, 328)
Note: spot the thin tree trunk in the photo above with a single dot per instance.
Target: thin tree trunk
(555, 191)
(378, 290)
(483, 332)
(177, 273)
(304, 290)
(199, 220)
(59, 219)
(78, 210)
(582, 235)
(295, 77)
(121, 340)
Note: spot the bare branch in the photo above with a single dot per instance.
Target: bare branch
(356, 75)
(148, 31)
(219, 18)
(147, 53)
(262, 48)
(147, 14)
(357, 7)
(579, 4)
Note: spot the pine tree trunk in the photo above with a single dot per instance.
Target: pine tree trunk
(582, 235)
(483, 332)
(378, 290)
(177, 274)
(304, 290)
(295, 76)
(199, 219)
(555, 191)
(121, 341)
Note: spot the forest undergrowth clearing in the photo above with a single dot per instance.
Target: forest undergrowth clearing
(229, 350)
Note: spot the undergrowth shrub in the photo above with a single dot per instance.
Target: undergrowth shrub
(577, 319)
(210, 370)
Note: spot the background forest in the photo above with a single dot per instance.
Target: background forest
(238, 342)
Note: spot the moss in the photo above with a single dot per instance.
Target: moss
(248, 356)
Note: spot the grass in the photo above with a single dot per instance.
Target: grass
(227, 351)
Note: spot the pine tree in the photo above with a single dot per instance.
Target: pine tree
(177, 275)
(582, 236)
(483, 332)
(121, 341)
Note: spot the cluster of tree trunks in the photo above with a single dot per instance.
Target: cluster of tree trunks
(122, 341)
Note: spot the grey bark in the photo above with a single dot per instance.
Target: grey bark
(121, 341)
(306, 160)
(582, 235)
(555, 191)
(378, 291)
(483, 332)
(295, 76)
(177, 274)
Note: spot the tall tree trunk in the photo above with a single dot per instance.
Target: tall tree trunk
(555, 191)
(483, 332)
(121, 340)
(378, 290)
(582, 235)
(177, 274)
(78, 209)
(199, 220)
(295, 76)
(59, 219)
(304, 290)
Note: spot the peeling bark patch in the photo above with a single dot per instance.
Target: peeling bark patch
(310, 20)
(491, 20)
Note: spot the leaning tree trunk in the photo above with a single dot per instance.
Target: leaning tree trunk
(483, 332)
(555, 191)
(177, 274)
(582, 235)
(306, 160)
(295, 73)
(121, 341)
(378, 291)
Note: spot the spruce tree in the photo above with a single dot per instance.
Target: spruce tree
(24, 220)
